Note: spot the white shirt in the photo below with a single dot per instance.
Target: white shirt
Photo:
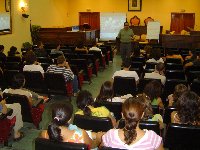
(33, 67)
(155, 75)
(124, 73)
(155, 61)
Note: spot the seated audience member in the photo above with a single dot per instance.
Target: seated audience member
(192, 56)
(131, 136)
(64, 68)
(95, 48)
(106, 93)
(158, 73)
(13, 51)
(172, 55)
(179, 90)
(16, 107)
(148, 113)
(126, 72)
(40, 51)
(18, 83)
(195, 62)
(188, 109)
(57, 50)
(81, 47)
(31, 63)
(85, 103)
(154, 90)
(61, 130)
(136, 51)
(2, 55)
(147, 50)
(155, 56)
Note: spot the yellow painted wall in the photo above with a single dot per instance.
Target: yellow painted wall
(2, 5)
(160, 10)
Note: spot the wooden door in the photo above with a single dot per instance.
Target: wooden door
(181, 21)
(92, 18)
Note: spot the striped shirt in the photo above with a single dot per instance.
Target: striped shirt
(149, 141)
(68, 74)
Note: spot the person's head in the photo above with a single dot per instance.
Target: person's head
(178, 91)
(132, 110)
(126, 25)
(145, 100)
(155, 53)
(85, 99)
(61, 59)
(160, 67)
(18, 81)
(106, 91)
(30, 58)
(61, 114)
(127, 63)
(80, 44)
(13, 50)
(40, 45)
(1, 48)
(136, 51)
(153, 89)
(188, 108)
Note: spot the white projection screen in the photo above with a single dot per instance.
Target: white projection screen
(110, 24)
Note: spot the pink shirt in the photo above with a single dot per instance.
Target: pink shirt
(149, 141)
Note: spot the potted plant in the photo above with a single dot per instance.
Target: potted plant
(35, 33)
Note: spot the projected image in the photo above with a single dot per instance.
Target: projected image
(110, 24)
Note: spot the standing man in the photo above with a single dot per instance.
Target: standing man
(126, 36)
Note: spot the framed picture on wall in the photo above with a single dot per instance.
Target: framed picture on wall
(134, 5)
(7, 5)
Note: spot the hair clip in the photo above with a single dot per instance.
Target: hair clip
(56, 118)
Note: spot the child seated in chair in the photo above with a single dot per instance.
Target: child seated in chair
(60, 129)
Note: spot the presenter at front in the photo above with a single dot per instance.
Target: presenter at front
(126, 36)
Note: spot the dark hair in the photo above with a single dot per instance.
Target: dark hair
(61, 114)
(136, 50)
(188, 108)
(84, 99)
(30, 57)
(18, 81)
(106, 91)
(132, 110)
(1, 47)
(145, 100)
(153, 89)
(61, 59)
(179, 90)
(155, 53)
(160, 66)
(12, 51)
(126, 23)
(127, 63)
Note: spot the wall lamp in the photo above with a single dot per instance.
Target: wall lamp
(23, 7)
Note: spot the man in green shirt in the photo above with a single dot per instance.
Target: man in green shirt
(125, 35)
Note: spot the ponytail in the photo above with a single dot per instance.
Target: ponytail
(87, 111)
(54, 131)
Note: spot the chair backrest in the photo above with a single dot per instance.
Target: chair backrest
(46, 144)
(173, 66)
(124, 85)
(175, 74)
(95, 124)
(14, 59)
(191, 75)
(55, 83)
(173, 60)
(34, 81)
(13, 66)
(195, 86)
(147, 20)
(149, 125)
(135, 21)
(182, 137)
(167, 114)
(8, 76)
(23, 101)
(143, 82)
(150, 65)
(115, 107)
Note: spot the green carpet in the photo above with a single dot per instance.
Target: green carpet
(27, 143)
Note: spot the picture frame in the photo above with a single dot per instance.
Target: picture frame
(7, 5)
(134, 5)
